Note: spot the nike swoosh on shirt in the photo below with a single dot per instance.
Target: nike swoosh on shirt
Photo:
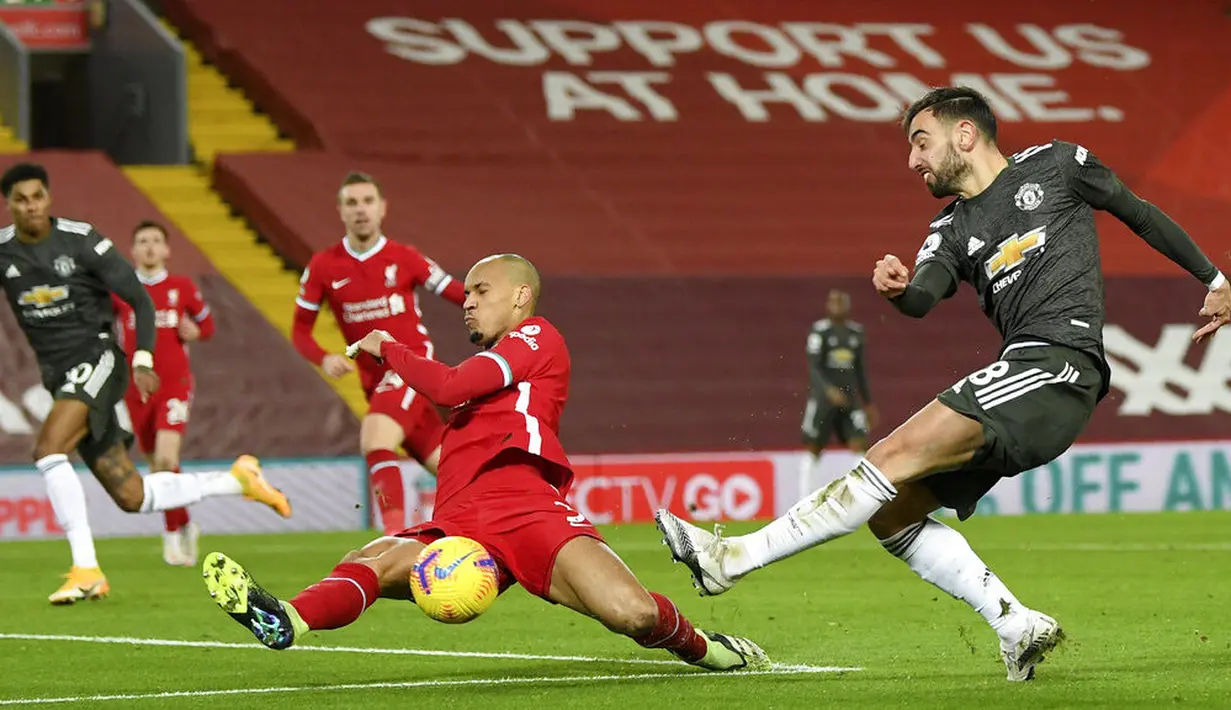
(339, 284)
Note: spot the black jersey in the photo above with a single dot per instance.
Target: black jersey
(1029, 247)
(60, 290)
(836, 359)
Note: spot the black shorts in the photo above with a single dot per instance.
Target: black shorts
(1032, 403)
(99, 380)
(823, 420)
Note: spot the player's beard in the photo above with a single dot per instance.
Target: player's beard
(33, 227)
(476, 337)
(947, 177)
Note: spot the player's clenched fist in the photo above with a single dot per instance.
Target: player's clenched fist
(371, 343)
(890, 276)
(336, 365)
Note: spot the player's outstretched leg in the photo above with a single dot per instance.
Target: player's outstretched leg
(590, 578)
(164, 490)
(942, 556)
(935, 439)
(380, 569)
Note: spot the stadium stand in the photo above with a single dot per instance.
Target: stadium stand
(9, 142)
(650, 213)
(235, 388)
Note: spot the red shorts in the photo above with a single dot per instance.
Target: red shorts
(167, 409)
(521, 519)
(421, 424)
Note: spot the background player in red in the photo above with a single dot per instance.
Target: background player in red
(181, 317)
(502, 482)
(369, 283)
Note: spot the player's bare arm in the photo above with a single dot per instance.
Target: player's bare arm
(1102, 189)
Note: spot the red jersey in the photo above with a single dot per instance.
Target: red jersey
(510, 396)
(175, 298)
(374, 290)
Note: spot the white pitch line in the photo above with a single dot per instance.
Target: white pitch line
(406, 684)
(134, 641)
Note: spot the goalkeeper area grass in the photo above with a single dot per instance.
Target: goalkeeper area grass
(1145, 600)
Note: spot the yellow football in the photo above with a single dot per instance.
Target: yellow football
(454, 580)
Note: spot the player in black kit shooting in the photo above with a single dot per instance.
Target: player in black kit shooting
(1021, 231)
(58, 275)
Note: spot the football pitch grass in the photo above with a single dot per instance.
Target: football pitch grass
(1145, 600)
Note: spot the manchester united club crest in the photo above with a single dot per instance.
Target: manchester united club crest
(64, 266)
(391, 275)
(1029, 196)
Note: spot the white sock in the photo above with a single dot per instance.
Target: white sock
(940, 555)
(68, 501)
(166, 490)
(807, 464)
(839, 509)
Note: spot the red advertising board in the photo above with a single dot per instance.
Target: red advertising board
(704, 489)
(21, 516)
(63, 25)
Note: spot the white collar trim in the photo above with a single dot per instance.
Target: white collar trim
(155, 278)
(380, 244)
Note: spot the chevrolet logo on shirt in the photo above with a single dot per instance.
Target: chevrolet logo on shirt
(1012, 252)
(42, 296)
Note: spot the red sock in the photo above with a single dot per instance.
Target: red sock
(386, 479)
(340, 598)
(674, 633)
(175, 518)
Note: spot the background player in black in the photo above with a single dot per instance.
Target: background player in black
(1021, 231)
(58, 276)
(839, 399)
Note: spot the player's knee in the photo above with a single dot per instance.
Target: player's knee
(45, 446)
(631, 612)
(129, 499)
(885, 524)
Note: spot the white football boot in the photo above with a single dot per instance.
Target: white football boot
(1042, 634)
(702, 552)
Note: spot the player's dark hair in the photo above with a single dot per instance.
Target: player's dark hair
(151, 224)
(355, 177)
(955, 103)
(20, 173)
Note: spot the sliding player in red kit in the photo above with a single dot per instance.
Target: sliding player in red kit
(502, 482)
(181, 317)
(369, 282)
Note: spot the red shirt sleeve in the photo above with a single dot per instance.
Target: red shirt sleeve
(437, 280)
(447, 386)
(311, 286)
(307, 306)
(515, 358)
(199, 311)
